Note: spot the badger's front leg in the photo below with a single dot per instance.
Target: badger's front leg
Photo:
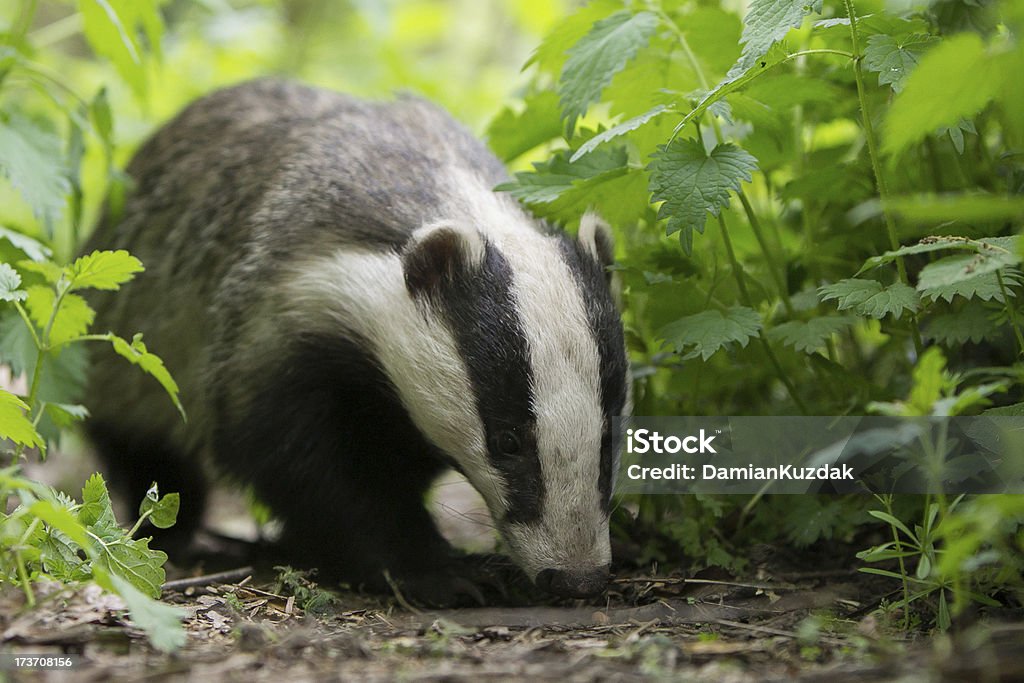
(332, 452)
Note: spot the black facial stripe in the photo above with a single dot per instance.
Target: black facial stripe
(481, 312)
(606, 330)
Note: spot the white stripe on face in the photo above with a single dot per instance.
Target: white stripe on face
(573, 529)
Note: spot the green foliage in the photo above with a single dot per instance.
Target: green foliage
(50, 536)
(867, 174)
(692, 183)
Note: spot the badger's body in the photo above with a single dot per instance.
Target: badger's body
(349, 309)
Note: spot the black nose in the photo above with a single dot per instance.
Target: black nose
(566, 583)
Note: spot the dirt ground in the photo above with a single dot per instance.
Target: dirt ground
(795, 618)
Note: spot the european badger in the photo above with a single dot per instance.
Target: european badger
(349, 308)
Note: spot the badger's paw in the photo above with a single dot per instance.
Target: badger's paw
(468, 580)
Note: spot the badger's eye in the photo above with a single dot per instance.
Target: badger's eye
(508, 443)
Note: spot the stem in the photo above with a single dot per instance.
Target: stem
(19, 30)
(747, 301)
(56, 31)
(876, 166)
(773, 266)
(28, 323)
(898, 545)
(138, 523)
(1011, 313)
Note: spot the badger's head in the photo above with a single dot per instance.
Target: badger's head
(525, 409)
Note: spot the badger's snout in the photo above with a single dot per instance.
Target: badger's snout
(567, 583)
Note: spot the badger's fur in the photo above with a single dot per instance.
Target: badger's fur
(349, 308)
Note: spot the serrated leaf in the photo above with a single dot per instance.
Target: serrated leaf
(809, 336)
(964, 275)
(1016, 410)
(10, 284)
(33, 248)
(163, 511)
(103, 270)
(96, 509)
(50, 271)
(870, 298)
(511, 134)
(14, 422)
(710, 330)
(768, 22)
(993, 252)
(61, 518)
(137, 354)
(691, 183)
(616, 131)
(970, 324)
(955, 80)
(598, 56)
(894, 58)
(552, 179)
(32, 158)
(72, 320)
(550, 55)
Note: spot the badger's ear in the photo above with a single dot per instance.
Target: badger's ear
(438, 253)
(595, 236)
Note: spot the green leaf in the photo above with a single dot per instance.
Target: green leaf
(967, 276)
(690, 183)
(559, 179)
(970, 324)
(1016, 410)
(164, 511)
(621, 129)
(993, 252)
(14, 422)
(738, 77)
(102, 119)
(930, 382)
(870, 298)
(103, 270)
(31, 157)
(599, 55)
(710, 330)
(955, 80)
(894, 58)
(150, 363)
(96, 510)
(111, 28)
(31, 247)
(512, 134)
(811, 335)
(160, 622)
(970, 208)
(66, 414)
(10, 284)
(768, 22)
(61, 518)
(889, 519)
(550, 55)
(72, 320)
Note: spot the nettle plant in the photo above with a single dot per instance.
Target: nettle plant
(56, 157)
(861, 171)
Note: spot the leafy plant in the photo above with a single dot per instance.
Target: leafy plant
(862, 174)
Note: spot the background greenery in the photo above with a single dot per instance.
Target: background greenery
(817, 208)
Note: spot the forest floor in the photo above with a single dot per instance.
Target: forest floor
(804, 617)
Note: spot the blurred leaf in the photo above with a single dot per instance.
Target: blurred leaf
(31, 157)
(550, 55)
(970, 208)
(559, 178)
(894, 58)
(511, 135)
(31, 247)
(992, 252)
(112, 29)
(72, 320)
(10, 284)
(691, 183)
(14, 423)
(708, 331)
(618, 130)
(969, 324)
(956, 276)
(955, 80)
(137, 353)
(767, 22)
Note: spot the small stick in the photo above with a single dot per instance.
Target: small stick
(229, 576)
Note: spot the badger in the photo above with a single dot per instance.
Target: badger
(349, 309)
